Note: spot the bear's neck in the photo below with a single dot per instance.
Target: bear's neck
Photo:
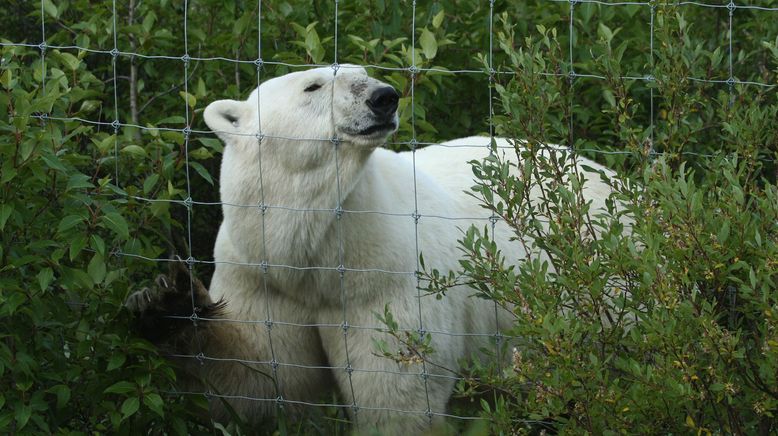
(302, 187)
(279, 175)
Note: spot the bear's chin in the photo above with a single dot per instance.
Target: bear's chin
(373, 136)
(374, 141)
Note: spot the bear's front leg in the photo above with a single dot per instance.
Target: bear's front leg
(227, 351)
(393, 396)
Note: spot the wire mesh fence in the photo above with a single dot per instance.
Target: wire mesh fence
(184, 61)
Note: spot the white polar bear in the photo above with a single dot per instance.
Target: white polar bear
(322, 230)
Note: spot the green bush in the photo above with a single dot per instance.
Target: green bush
(67, 358)
(658, 314)
(84, 204)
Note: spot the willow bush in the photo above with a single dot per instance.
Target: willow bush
(656, 315)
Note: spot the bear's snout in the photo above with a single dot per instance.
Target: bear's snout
(383, 102)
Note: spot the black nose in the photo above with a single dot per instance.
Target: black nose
(383, 101)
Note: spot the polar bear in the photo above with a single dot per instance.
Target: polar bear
(322, 233)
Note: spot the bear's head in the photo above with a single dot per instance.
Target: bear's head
(313, 105)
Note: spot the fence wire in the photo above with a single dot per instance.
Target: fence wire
(265, 265)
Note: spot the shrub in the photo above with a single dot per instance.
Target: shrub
(658, 314)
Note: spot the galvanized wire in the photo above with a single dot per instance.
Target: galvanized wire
(265, 264)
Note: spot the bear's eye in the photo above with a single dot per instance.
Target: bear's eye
(312, 87)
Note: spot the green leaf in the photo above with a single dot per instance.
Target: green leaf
(608, 95)
(96, 268)
(428, 43)
(286, 9)
(723, 233)
(69, 222)
(313, 45)
(135, 150)
(98, 244)
(21, 123)
(71, 61)
(79, 181)
(154, 402)
(12, 302)
(88, 106)
(179, 426)
(76, 245)
(605, 32)
(175, 119)
(106, 144)
(190, 99)
(5, 211)
(116, 361)
(22, 415)
(200, 90)
(50, 9)
(752, 278)
(129, 407)
(200, 153)
(121, 387)
(212, 143)
(437, 20)
(63, 394)
(45, 276)
(6, 416)
(5, 79)
(117, 223)
(54, 163)
(242, 23)
(150, 183)
(201, 171)
(148, 21)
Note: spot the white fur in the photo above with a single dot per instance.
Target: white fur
(296, 174)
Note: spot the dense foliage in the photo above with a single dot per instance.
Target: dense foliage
(657, 315)
(84, 203)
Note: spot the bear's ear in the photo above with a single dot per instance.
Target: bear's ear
(226, 117)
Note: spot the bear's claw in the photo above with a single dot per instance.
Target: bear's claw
(162, 310)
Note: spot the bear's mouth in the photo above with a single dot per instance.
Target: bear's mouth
(375, 128)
